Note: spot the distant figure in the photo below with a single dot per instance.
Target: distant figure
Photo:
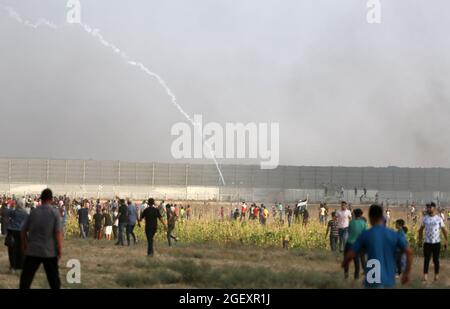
(83, 220)
(171, 220)
(265, 215)
(188, 212)
(108, 224)
(222, 214)
(42, 243)
(236, 214)
(243, 211)
(289, 214)
(115, 227)
(356, 192)
(98, 225)
(305, 217)
(322, 211)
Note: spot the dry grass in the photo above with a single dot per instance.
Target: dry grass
(104, 265)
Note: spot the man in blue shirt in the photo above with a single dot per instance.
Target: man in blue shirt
(132, 219)
(381, 245)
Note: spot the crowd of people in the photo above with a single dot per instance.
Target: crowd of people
(34, 228)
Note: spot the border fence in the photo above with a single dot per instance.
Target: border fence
(91, 178)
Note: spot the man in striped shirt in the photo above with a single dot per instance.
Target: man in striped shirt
(332, 227)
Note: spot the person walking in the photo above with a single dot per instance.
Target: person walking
(432, 224)
(83, 220)
(332, 227)
(17, 217)
(171, 220)
(343, 218)
(381, 245)
(42, 243)
(123, 221)
(151, 215)
(132, 219)
(355, 228)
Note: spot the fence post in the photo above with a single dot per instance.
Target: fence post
(186, 180)
(84, 172)
(118, 175)
(48, 172)
(153, 175)
(9, 175)
(28, 172)
(67, 170)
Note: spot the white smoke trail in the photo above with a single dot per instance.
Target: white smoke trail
(96, 34)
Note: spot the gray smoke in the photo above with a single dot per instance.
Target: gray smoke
(345, 92)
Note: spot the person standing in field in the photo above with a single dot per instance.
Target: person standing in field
(108, 224)
(343, 218)
(305, 217)
(289, 214)
(115, 227)
(322, 211)
(83, 220)
(381, 245)
(171, 220)
(255, 212)
(332, 227)
(280, 211)
(132, 219)
(42, 243)
(17, 217)
(151, 215)
(98, 224)
(355, 228)
(388, 216)
(188, 212)
(265, 214)
(433, 225)
(243, 211)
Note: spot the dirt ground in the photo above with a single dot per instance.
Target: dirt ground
(104, 265)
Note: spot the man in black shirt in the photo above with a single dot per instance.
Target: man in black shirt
(123, 220)
(151, 214)
(98, 225)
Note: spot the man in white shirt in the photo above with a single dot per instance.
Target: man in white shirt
(343, 218)
(433, 225)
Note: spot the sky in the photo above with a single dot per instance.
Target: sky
(344, 92)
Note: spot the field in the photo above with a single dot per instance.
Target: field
(216, 254)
